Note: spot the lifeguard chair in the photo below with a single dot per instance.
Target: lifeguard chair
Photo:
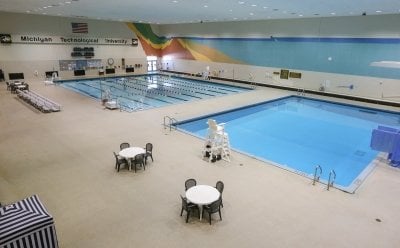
(217, 142)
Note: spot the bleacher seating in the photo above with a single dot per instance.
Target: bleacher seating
(40, 102)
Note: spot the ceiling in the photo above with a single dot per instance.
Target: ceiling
(192, 11)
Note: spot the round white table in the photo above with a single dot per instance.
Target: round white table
(130, 153)
(202, 195)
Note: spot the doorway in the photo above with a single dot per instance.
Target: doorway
(151, 63)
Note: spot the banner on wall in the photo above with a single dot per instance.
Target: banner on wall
(5, 38)
(39, 39)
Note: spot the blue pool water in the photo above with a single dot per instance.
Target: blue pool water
(299, 133)
(149, 91)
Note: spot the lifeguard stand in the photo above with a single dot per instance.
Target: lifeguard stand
(217, 142)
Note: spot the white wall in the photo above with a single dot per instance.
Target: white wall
(28, 58)
(372, 88)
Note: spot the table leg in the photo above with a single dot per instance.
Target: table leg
(200, 211)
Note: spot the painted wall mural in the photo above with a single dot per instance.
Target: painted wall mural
(354, 56)
(176, 47)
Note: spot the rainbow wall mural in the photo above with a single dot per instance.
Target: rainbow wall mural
(345, 55)
(178, 48)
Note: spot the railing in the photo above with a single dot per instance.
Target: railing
(316, 174)
(169, 122)
(331, 180)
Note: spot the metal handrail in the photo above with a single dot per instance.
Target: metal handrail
(330, 183)
(316, 177)
(171, 121)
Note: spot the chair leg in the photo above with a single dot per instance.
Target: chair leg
(209, 217)
(187, 216)
(181, 211)
(118, 168)
(144, 166)
(219, 211)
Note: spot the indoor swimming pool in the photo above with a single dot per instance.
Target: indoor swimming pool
(299, 134)
(149, 91)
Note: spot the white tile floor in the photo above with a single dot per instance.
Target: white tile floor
(66, 158)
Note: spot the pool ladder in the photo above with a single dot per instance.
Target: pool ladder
(169, 122)
(331, 180)
(318, 173)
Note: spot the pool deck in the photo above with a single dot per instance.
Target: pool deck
(66, 158)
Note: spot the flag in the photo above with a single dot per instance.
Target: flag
(79, 27)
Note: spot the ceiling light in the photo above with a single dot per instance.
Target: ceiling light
(174, 1)
(265, 7)
(300, 15)
(333, 13)
(254, 5)
(44, 7)
(205, 6)
(378, 11)
(251, 14)
(230, 10)
(240, 2)
(28, 11)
